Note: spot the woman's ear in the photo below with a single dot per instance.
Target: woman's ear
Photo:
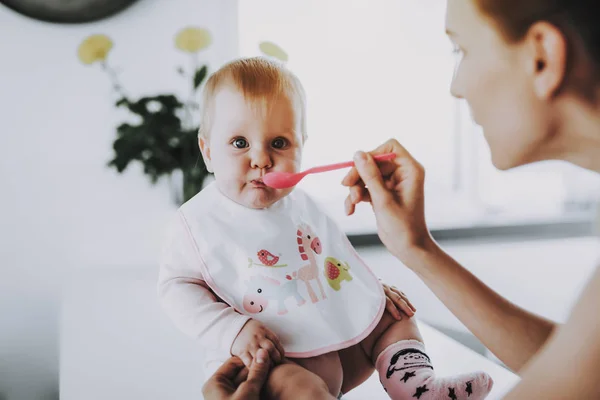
(205, 150)
(548, 58)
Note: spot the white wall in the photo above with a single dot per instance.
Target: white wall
(60, 207)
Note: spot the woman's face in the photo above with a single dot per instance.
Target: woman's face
(500, 82)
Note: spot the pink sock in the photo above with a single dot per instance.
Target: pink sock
(405, 372)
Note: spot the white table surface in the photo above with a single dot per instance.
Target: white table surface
(116, 343)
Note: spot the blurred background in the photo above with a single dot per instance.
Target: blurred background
(80, 238)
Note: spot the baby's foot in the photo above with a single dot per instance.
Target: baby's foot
(405, 371)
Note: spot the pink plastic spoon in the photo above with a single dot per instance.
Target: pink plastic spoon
(283, 180)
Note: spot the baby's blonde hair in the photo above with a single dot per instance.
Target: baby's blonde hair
(260, 80)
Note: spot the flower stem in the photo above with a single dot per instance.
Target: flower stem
(190, 102)
(113, 79)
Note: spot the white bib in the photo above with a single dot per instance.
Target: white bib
(289, 267)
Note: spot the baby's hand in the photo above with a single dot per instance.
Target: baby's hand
(397, 303)
(252, 337)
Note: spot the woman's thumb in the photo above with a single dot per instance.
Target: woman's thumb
(259, 370)
(370, 174)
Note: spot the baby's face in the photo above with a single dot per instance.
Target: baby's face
(243, 145)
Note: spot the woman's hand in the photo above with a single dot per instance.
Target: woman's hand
(233, 381)
(395, 189)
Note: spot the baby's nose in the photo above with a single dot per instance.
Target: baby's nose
(261, 159)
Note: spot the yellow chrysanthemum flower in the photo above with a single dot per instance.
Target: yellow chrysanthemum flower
(192, 40)
(272, 50)
(94, 48)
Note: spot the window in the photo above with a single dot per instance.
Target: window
(382, 68)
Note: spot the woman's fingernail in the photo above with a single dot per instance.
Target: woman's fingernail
(360, 156)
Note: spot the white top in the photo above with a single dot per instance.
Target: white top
(288, 266)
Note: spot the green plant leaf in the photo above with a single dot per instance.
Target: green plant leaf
(123, 101)
(199, 76)
(159, 142)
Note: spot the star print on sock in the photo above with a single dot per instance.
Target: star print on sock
(469, 389)
(407, 376)
(420, 391)
(452, 393)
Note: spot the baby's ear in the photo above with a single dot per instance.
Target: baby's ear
(205, 150)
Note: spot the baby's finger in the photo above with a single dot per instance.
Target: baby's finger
(391, 308)
(401, 303)
(403, 306)
(268, 345)
(403, 295)
(246, 357)
(275, 340)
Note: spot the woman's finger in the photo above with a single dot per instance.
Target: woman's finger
(359, 193)
(349, 206)
(241, 376)
(230, 369)
(356, 193)
(257, 375)
(390, 146)
(352, 178)
(371, 175)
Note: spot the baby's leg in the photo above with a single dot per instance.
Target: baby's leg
(292, 381)
(326, 366)
(358, 360)
(357, 367)
(405, 371)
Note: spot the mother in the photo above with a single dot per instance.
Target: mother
(530, 71)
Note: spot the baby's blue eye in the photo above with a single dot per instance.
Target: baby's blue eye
(279, 143)
(240, 143)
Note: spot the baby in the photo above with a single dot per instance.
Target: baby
(246, 266)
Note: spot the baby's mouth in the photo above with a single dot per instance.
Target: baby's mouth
(258, 182)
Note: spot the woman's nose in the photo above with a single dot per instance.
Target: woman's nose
(456, 85)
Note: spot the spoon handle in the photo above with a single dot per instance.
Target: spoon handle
(346, 164)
